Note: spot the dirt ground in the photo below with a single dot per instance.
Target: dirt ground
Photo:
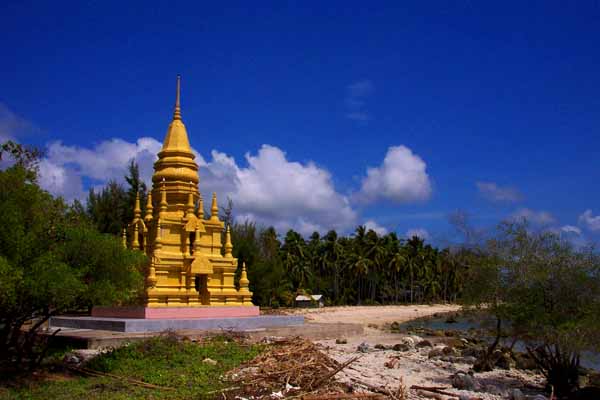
(377, 315)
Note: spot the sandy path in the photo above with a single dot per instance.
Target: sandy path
(378, 315)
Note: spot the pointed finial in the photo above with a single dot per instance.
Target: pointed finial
(244, 278)
(214, 209)
(196, 240)
(190, 203)
(148, 216)
(137, 211)
(200, 206)
(135, 243)
(163, 197)
(228, 246)
(177, 112)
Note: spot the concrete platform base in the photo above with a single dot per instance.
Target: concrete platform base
(159, 325)
(176, 312)
(98, 339)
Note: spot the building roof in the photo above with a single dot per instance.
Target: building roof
(315, 297)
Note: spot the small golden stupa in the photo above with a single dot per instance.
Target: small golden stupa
(190, 263)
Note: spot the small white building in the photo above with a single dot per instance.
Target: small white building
(313, 300)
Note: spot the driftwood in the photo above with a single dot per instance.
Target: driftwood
(398, 395)
(340, 396)
(430, 395)
(335, 371)
(440, 390)
(435, 389)
(294, 367)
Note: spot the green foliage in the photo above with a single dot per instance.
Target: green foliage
(111, 209)
(165, 361)
(362, 269)
(547, 291)
(52, 261)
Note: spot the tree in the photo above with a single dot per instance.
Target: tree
(109, 209)
(548, 293)
(227, 213)
(51, 263)
(137, 187)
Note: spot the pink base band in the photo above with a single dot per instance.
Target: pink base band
(175, 312)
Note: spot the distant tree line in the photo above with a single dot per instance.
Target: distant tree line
(362, 268)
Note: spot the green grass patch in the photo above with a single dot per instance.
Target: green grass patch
(164, 361)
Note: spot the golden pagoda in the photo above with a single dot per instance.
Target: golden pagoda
(190, 263)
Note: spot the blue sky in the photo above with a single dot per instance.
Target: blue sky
(488, 107)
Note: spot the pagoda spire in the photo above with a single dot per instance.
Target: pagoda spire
(177, 111)
(214, 209)
(176, 159)
(137, 211)
(200, 206)
(148, 216)
(190, 204)
(228, 246)
(244, 279)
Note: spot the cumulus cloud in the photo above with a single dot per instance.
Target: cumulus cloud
(372, 225)
(401, 178)
(571, 229)
(356, 95)
(275, 191)
(533, 217)
(64, 168)
(499, 194)
(588, 220)
(270, 189)
(418, 232)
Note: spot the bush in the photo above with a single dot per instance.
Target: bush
(51, 263)
(548, 292)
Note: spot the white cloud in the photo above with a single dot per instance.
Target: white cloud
(270, 190)
(533, 217)
(372, 225)
(356, 94)
(418, 232)
(571, 229)
(590, 221)
(64, 168)
(401, 178)
(495, 193)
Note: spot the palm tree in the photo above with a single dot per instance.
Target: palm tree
(396, 264)
(294, 260)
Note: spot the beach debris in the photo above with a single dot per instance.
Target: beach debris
(363, 347)
(341, 341)
(401, 347)
(295, 367)
(392, 362)
(463, 381)
(209, 361)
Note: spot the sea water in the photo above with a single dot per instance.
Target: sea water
(466, 323)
